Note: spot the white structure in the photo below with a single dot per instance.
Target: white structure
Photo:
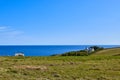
(19, 54)
(92, 49)
(89, 50)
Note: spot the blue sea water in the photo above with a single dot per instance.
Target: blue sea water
(43, 50)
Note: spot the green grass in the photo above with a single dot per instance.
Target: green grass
(93, 67)
(111, 51)
(60, 68)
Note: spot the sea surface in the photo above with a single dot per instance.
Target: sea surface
(43, 50)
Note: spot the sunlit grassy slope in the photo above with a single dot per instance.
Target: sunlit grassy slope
(104, 67)
(109, 52)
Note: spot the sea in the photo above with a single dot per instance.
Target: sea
(44, 50)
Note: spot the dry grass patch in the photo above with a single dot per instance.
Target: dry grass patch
(31, 67)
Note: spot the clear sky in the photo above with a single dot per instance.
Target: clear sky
(59, 22)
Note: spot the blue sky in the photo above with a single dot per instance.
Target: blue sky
(59, 22)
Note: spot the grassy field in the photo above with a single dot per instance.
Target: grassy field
(93, 67)
(110, 52)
